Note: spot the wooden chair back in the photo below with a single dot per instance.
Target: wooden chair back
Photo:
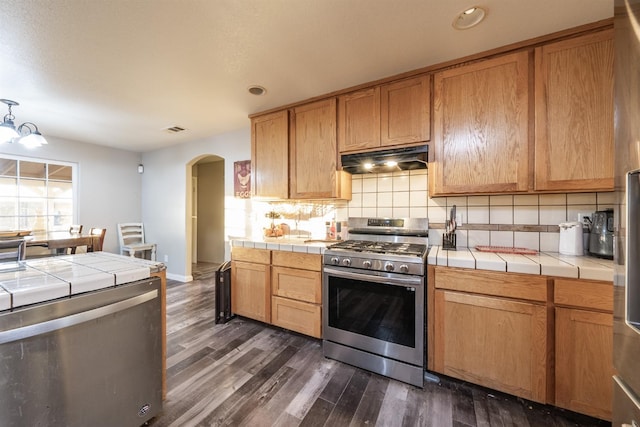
(130, 233)
(98, 232)
(13, 250)
(75, 229)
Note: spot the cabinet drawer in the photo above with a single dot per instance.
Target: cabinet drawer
(297, 260)
(259, 256)
(509, 285)
(302, 285)
(297, 316)
(578, 293)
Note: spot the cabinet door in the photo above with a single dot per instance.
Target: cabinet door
(405, 111)
(251, 290)
(359, 120)
(481, 130)
(584, 365)
(574, 114)
(313, 151)
(270, 155)
(494, 342)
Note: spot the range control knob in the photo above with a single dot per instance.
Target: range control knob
(366, 264)
(346, 262)
(404, 268)
(388, 266)
(335, 260)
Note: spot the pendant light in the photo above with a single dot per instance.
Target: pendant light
(27, 133)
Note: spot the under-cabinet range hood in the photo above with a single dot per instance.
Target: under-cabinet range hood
(386, 161)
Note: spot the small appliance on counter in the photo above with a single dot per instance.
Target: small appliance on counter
(601, 236)
(571, 241)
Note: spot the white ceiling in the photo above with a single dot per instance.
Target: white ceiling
(119, 72)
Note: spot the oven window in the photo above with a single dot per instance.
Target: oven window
(380, 311)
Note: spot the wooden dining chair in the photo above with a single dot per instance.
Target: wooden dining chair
(75, 229)
(96, 247)
(132, 241)
(13, 250)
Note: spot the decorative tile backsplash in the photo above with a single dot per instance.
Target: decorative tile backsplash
(526, 220)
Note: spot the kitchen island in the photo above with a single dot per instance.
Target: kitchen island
(81, 340)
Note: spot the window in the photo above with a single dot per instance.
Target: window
(36, 195)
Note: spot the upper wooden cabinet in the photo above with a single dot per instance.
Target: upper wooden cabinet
(574, 114)
(270, 155)
(294, 154)
(392, 114)
(481, 131)
(482, 118)
(313, 153)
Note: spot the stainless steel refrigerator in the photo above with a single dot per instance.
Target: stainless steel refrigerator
(626, 327)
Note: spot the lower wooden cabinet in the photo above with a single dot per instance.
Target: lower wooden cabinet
(251, 283)
(546, 339)
(278, 287)
(495, 342)
(584, 347)
(296, 292)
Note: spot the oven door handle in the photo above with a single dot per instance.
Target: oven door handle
(400, 281)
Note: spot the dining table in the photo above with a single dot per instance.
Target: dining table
(61, 240)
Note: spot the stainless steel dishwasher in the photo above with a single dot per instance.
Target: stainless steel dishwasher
(93, 359)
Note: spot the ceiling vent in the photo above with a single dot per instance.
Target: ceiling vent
(174, 129)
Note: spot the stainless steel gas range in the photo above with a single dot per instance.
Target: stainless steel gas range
(374, 297)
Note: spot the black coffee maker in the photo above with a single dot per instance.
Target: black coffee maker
(601, 236)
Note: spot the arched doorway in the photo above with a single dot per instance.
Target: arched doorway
(205, 213)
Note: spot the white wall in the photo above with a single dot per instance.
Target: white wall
(166, 178)
(108, 182)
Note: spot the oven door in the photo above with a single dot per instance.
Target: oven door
(378, 312)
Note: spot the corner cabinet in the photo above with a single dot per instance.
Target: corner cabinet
(251, 283)
(393, 114)
(313, 153)
(270, 155)
(574, 114)
(481, 127)
(584, 339)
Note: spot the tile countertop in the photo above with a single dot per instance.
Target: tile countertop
(545, 263)
(284, 244)
(43, 279)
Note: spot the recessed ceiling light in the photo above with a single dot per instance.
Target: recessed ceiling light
(469, 18)
(257, 90)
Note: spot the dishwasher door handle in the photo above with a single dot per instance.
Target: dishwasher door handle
(74, 319)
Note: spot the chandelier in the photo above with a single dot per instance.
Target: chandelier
(26, 134)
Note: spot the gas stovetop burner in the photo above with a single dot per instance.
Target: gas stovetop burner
(410, 249)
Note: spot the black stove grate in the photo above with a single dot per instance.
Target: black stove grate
(414, 249)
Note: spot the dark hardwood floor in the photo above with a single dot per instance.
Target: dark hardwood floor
(247, 373)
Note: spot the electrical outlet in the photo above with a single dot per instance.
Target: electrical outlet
(166, 258)
(458, 220)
